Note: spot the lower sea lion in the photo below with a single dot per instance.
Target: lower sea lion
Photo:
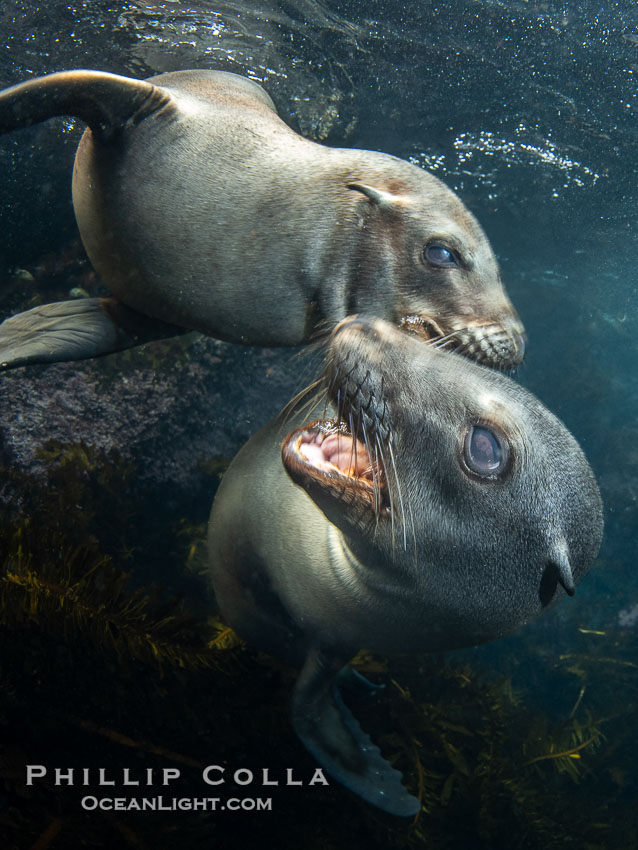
(201, 209)
(439, 505)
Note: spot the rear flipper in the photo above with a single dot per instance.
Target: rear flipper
(107, 102)
(330, 732)
(76, 330)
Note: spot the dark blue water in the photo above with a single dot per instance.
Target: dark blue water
(528, 111)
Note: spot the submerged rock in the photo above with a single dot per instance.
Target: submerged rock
(169, 407)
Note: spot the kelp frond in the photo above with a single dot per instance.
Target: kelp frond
(565, 747)
(76, 592)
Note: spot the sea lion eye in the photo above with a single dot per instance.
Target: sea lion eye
(439, 255)
(485, 453)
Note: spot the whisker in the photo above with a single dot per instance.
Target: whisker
(309, 363)
(416, 558)
(312, 405)
(376, 483)
(437, 340)
(399, 494)
(448, 345)
(463, 349)
(375, 472)
(389, 483)
(351, 423)
(335, 375)
(313, 390)
(321, 333)
(354, 442)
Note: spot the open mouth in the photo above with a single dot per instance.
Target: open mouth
(326, 452)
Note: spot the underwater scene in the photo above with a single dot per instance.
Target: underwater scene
(394, 257)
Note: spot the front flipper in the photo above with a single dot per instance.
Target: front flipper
(330, 732)
(350, 679)
(76, 330)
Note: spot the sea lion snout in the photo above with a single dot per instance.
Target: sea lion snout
(496, 344)
(502, 344)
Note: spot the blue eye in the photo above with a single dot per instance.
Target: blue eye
(439, 255)
(486, 454)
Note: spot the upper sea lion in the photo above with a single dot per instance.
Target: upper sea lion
(201, 209)
(437, 505)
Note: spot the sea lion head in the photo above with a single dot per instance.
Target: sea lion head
(446, 280)
(450, 481)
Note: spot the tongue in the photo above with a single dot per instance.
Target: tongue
(337, 450)
(348, 455)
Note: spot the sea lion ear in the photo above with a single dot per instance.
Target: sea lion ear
(385, 200)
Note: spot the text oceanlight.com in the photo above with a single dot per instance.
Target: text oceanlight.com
(177, 804)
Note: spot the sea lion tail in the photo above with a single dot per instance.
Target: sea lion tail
(106, 102)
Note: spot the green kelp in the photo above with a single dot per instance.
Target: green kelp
(81, 595)
(81, 492)
(88, 660)
(466, 741)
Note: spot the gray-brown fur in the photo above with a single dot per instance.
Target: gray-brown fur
(199, 207)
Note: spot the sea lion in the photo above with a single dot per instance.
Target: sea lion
(201, 209)
(438, 505)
